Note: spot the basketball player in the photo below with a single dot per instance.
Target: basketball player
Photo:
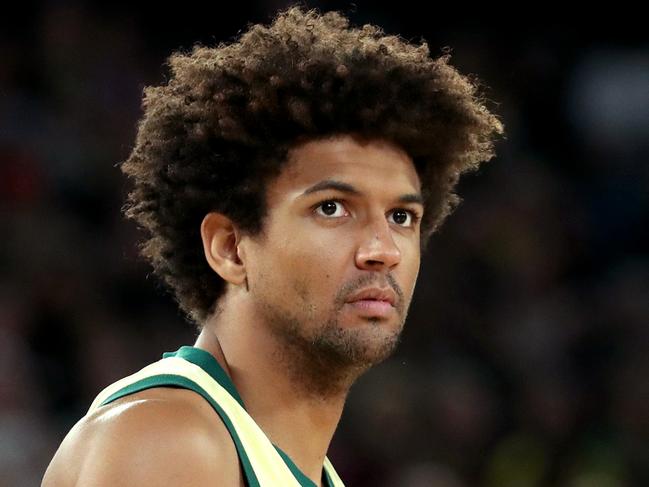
(288, 183)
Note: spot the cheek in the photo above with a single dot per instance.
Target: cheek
(296, 266)
(312, 248)
(310, 260)
(411, 272)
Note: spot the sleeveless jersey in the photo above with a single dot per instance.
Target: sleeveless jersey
(264, 464)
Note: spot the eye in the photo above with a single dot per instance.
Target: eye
(406, 216)
(329, 208)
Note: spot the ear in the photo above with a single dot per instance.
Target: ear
(221, 246)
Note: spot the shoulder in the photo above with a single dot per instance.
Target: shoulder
(147, 438)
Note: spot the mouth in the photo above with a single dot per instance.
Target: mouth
(372, 307)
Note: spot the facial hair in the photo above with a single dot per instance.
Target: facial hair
(323, 357)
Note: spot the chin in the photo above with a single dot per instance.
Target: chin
(361, 345)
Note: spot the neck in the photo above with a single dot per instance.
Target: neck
(297, 410)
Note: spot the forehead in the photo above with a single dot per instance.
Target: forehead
(374, 164)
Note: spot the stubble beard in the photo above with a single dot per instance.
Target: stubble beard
(325, 359)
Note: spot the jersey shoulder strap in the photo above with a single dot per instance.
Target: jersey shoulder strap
(264, 464)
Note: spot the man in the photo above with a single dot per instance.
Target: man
(288, 183)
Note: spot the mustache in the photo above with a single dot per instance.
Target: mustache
(379, 280)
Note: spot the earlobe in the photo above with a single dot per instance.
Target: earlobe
(221, 247)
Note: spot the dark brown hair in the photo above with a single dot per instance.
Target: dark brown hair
(215, 134)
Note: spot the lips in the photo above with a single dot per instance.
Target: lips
(386, 295)
(373, 307)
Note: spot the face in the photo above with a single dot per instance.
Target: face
(342, 217)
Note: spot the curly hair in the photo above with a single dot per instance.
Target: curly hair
(220, 129)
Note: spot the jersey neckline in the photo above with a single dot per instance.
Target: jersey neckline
(206, 361)
(209, 364)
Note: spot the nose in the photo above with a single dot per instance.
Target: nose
(377, 249)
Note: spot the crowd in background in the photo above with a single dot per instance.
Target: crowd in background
(524, 359)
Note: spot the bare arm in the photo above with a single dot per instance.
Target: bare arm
(146, 442)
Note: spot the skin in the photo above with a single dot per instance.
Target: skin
(283, 330)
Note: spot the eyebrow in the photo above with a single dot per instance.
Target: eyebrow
(348, 188)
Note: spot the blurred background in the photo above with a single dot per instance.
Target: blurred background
(524, 361)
